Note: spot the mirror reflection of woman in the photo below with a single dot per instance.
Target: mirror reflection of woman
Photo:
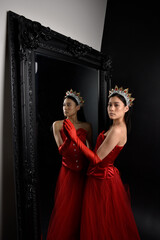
(65, 218)
(106, 209)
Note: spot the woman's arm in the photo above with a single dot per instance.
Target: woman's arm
(57, 125)
(111, 140)
(62, 146)
(71, 133)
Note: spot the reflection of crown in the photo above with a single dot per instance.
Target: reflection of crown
(124, 93)
(76, 96)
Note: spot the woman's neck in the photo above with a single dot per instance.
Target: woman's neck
(117, 122)
(73, 119)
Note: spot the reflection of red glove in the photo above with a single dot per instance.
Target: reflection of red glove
(70, 131)
(63, 148)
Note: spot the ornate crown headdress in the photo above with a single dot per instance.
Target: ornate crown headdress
(76, 96)
(124, 93)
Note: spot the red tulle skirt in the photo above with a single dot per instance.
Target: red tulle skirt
(66, 215)
(106, 211)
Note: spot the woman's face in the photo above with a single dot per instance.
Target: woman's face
(70, 108)
(116, 108)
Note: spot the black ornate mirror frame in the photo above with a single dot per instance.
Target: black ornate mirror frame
(26, 38)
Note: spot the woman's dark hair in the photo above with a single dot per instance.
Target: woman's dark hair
(127, 116)
(80, 113)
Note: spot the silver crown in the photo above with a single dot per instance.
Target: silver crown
(76, 96)
(124, 93)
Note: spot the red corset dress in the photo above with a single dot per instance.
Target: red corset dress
(106, 209)
(65, 218)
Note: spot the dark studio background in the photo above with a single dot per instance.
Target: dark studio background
(132, 38)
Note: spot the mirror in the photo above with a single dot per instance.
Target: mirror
(43, 66)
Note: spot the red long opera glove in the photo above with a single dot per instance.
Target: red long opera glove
(70, 131)
(64, 147)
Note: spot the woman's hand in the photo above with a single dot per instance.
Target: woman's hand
(70, 130)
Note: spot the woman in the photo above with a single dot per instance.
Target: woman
(106, 211)
(65, 219)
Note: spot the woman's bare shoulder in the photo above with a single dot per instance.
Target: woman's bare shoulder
(118, 132)
(57, 125)
(114, 131)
